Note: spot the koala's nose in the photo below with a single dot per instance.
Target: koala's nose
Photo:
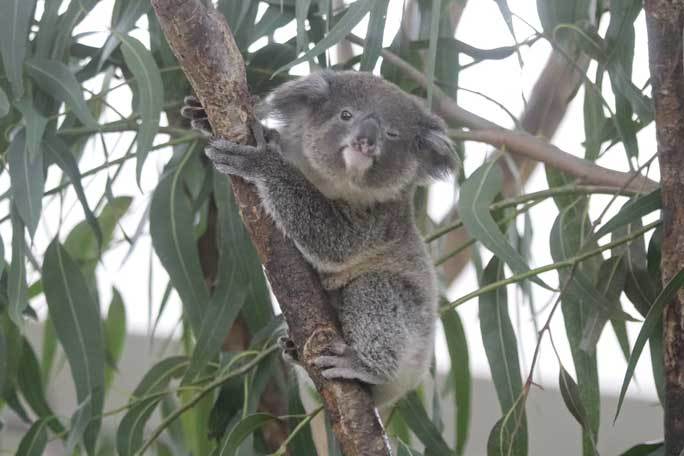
(367, 136)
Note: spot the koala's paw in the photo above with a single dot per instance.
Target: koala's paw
(343, 363)
(289, 351)
(192, 109)
(249, 162)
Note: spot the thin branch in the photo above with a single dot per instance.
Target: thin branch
(518, 143)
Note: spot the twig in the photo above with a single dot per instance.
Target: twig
(519, 143)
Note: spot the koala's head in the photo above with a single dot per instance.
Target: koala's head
(362, 137)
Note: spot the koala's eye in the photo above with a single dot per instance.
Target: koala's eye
(392, 134)
(345, 115)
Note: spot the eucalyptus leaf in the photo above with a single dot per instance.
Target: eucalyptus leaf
(35, 126)
(501, 349)
(15, 23)
(649, 325)
(355, 13)
(126, 13)
(115, 333)
(374, 35)
(145, 398)
(476, 195)
(173, 239)
(33, 443)
(75, 315)
(62, 156)
(457, 345)
(631, 212)
(571, 396)
(231, 443)
(151, 94)
(28, 181)
(4, 104)
(17, 290)
(413, 412)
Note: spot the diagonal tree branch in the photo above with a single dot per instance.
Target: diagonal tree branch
(201, 40)
(518, 143)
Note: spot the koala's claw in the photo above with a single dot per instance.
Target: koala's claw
(346, 367)
(194, 111)
(289, 351)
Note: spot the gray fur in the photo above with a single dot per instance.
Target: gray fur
(340, 185)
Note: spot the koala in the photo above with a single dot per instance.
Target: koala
(337, 175)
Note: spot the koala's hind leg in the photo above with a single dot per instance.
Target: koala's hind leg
(371, 314)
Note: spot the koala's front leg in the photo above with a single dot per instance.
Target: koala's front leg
(248, 162)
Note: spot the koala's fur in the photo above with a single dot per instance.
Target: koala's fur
(342, 188)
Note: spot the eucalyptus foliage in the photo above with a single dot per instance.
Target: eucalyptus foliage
(210, 400)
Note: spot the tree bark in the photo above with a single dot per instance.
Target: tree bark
(204, 46)
(665, 23)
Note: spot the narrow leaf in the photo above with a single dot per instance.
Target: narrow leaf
(122, 23)
(35, 126)
(351, 18)
(650, 323)
(14, 30)
(150, 94)
(460, 375)
(508, 437)
(56, 79)
(374, 34)
(631, 212)
(477, 194)
(34, 441)
(78, 425)
(173, 238)
(571, 396)
(30, 383)
(115, 333)
(4, 104)
(62, 156)
(28, 181)
(413, 412)
(435, 14)
(129, 435)
(645, 449)
(231, 443)
(75, 315)
(17, 290)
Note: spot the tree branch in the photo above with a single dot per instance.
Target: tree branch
(664, 23)
(204, 46)
(518, 143)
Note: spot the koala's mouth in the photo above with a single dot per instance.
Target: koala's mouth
(356, 159)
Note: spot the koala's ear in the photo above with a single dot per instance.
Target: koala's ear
(436, 154)
(293, 96)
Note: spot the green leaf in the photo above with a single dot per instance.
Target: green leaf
(609, 282)
(374, 35)
(151, 94)
(501, 349)
(56, 79)
(81, 242)
(30, 383)
(302, 442)
(631, 212)
(645, 449)
(27, 180)
(125, 14)
(273, 18)
(355, 13)
(650, 323)
(566, 241)
(35, 126)
(146, 397)
(594, 123)
(115, 333)
(10, 361)
(78, 425)
(4, 104)
(571, 396)
(17, 290)
(476, 195)
(15, 23)
(67, 21)
(231, 443)
(34, 441)
(173, 239)
(75, 314)
(218, 319)
(62, 156)
(413, 412)
(405, 450)
(508, 437)
(460, 375)
(241, 15)
(301, 13)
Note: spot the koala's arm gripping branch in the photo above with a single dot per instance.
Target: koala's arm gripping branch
(202, 41)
